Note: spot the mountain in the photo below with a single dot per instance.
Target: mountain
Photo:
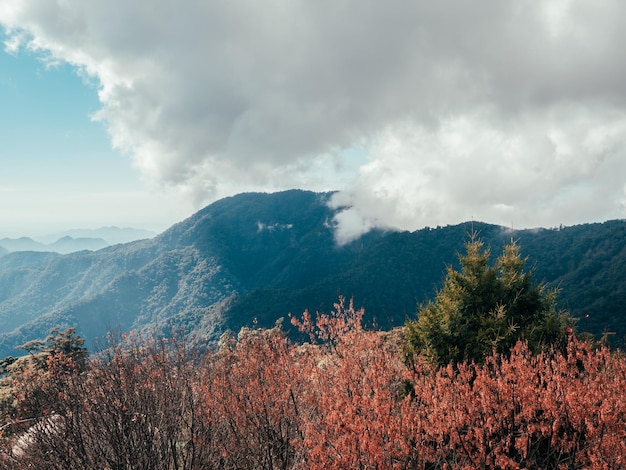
(253, 258)
(113, 235)
(63, 245)
(69, 244)
(184, 277)
(21, 244)
(75, 240)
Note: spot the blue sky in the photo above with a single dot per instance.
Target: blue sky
(419, 113)
(48, 139)
(59, 170)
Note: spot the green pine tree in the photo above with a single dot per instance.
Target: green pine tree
(483, 308)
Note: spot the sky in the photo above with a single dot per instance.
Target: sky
(140, 112)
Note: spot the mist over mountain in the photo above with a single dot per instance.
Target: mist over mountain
(21, 244)
(253, 258)
(75, 240)
(63, 245)
(113, 235)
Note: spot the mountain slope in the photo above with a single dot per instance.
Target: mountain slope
(183, 277)
(257, 257)
(586, 263)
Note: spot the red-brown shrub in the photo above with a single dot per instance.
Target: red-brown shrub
(346, 400)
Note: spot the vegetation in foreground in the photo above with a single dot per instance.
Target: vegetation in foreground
(346, 402)
(349, 398)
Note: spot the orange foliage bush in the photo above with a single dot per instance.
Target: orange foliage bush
(344, 400)
(252, 391)
(523, 411)
(353, 418)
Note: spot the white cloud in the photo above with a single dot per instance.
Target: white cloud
(508, 111)
(564, 166)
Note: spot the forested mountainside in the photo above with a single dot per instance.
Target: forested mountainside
(398, 271)
(253, 258)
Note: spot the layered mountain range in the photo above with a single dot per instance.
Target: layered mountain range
(74, 240)
(65, 244)
(254, 258)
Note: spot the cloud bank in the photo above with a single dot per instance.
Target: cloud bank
(505, 111)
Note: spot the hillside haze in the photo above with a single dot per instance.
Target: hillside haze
(75, 240)
(253, 258)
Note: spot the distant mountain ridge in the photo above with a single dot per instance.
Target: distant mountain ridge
(63, 245)
(253, 258)
(75, 240)
(113, 235)
(21, 244)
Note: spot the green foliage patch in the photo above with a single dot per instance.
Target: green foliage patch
(485, 308)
